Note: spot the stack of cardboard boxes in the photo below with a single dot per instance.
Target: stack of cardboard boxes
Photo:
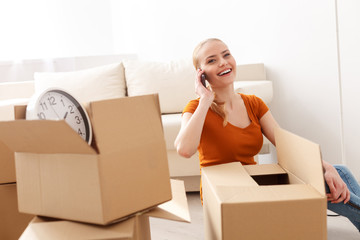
(107, 189)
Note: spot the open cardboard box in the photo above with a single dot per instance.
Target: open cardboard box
(124, 171)
(135, 228)
(273, 201)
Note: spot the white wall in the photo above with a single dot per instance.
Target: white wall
(55, 28)
(349, 39)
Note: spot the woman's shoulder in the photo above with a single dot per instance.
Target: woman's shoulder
(255, 103)
(251, 98)
(192, 105)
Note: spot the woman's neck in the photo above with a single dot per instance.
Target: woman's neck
(225, 95)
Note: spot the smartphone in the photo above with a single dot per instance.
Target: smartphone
(203, 79)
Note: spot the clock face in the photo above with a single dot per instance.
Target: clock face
(57, 104)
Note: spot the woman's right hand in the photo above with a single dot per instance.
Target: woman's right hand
(203, 92)
(188, 138)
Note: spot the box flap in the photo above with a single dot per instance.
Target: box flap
(42, 136)
(7, 164)
(12, 222)
(128, 121)
(175, 209)
(264, 169)
(236, 175)
(268, 174)
(42, 228)
(300, 157)
(272, 193)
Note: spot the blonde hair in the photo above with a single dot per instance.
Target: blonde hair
(216, 106)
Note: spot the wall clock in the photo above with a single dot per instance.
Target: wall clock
(57, 104)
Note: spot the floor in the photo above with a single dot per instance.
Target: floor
(339, 228)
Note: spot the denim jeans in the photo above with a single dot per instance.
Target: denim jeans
(351, 210)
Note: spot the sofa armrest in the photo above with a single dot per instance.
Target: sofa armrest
(16, 90)
(11, 94)
(7, 111)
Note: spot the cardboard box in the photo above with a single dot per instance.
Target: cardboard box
(135, 228)
(273, 201)
(7, 164)
(125, 171)
(12, 223)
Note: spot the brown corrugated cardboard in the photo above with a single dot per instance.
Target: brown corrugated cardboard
(123, 172)
(7, 160)
(135, 228)
(56, 229)
(276, 201)
(7, 164)
(12, 223)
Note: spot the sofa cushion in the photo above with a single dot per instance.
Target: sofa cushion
(173, 81)
(171, 126)
(87, 85)
(261, 88)
(250, 72)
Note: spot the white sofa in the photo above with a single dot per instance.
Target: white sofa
(173, 81)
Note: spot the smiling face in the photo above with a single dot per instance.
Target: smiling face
(219, 66)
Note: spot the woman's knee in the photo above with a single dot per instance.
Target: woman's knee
(341, 168)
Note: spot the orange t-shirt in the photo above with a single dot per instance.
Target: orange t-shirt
(220, 144)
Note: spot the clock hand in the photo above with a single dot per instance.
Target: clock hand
(65, 115)
(54, 110)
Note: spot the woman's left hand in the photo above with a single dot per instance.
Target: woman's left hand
(338, 189)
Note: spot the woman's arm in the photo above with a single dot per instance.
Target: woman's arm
(338, 190)
(268, 125)
(188, 138)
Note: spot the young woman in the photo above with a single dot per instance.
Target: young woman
(225, 126)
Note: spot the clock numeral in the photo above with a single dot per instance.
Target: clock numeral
(44, 106)
(52, 100)
(80, 132)
(41, 115)
(62, 102)
(78, 119)
(71, 108)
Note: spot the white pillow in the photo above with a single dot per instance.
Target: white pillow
(87, 85)
(173, 81)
